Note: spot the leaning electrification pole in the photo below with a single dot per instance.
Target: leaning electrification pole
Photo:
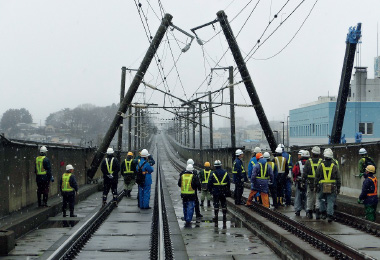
(155, 43)
(222, 17)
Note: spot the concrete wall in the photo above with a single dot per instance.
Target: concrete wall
(17, 177)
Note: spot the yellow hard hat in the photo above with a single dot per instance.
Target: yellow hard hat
(370, 168)
(207, 164)
(130, 153)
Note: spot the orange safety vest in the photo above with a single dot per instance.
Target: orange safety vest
(374, 179)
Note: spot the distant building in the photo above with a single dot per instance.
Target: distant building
(312, 123)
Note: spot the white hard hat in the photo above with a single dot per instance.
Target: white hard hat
(110, 151)
(69, 167)
(189, 167)
(43, 149)
(144, 153)
(281, 146)
(266, 155)
(190, 161)
(316, 150)
(328, 153)
(300, 152)
(305, 153)
(362, 151)
(217, 163)
(257, 150)
(239, 152)
(278, 149)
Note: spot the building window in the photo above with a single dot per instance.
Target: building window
(366, 128)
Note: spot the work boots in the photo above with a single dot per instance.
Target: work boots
(323, 215)
(317, 214)
(330, 218)
(202, 201)
(208, 203)
(215, 219)
(64, 213)
(72, 214)
(309, 214)
(224, 217)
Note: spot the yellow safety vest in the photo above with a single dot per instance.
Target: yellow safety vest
(66, 182)
(242, 168)
(206, 175)
(128, 166)
(289, 159)
(40, 166)
(186, 180)
(280, 165)
(272, 165)
(264, 175)
(217, 183)
(337, 164)
(327, 174)
(109, 167)
(313, 167)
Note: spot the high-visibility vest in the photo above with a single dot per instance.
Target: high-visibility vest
(280, 165)
(314, 167)
(39, 165)
(128, 166)
(336, 163)
(66, 182)
(186, 180)
(271, 165)
(263, 175)
(109, 167)
(206, 174)
(220, 183)
(327, 174)
(374, 179)
(289, 159)
(242, 168)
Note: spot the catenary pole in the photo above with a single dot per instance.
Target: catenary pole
(130, 128)
(120, 133)
(222, 17)
(232, 107)
(155, 43)
(210, 120)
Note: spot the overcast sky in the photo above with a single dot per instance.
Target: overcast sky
(60, 54)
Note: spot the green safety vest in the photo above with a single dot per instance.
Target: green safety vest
(40, 166)
(222, 183)
(206, 175)
(314, 166)
(290, 166)
(280, 165)
(272, 165)
(264, 175)
(186, 180)
(337, 164)
(66, 182)
(327, 174)
(128, 166)
(109, 167)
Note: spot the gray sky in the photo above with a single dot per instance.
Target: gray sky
(60, 54)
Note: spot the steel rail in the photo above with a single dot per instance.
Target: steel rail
(369, 227)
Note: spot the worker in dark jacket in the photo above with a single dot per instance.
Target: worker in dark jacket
(68, 187)
(204, 177)
(300, 192)
(369, 193)
(283, 172)
(128, 171)
(239, 176)
(272, 184)
(364, 161)
(219, 185)
(110, 168)
(189, 183)
(43, 177)
(145, 188)
(327, 182)
(262, 175)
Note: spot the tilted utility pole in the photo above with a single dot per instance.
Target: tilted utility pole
(120, 134)
(353, 37)
(210, 120)
(232, 107)
(222, 17)
(155, 43)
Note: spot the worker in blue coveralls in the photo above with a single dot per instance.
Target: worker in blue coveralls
(147, 169)
(239, 176)
(43, 177)
(69, 188)
(369, 194)
(282, 173)
(272, 184)
(252, 164)
(219, 186)
(189, 183)
(110, 168)
(287, 184)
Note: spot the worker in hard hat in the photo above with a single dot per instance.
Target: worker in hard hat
(197, 204)
(327, 182)
(364, 161)
(300, 192)
(69, 188)
(239, 176)
(219, 186)
(204, 177)
(287, 182)
(128, 171)
(283, 172)
(308, 177)
(145, 187)
(253, 192)
(44, 176)
(253, 161)
(110, 168)
(369, 195)
(189, 183)
(272, 184)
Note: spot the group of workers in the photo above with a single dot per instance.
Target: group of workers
(110, 168)
(215, 183)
